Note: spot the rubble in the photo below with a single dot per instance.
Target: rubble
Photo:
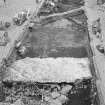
(17, 94)
(96, 27)
(55, 94)
(21, 17)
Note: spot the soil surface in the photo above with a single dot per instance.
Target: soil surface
(62, 38)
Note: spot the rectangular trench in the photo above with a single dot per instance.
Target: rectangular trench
(60, 39)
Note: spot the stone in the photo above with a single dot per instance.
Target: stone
(55, 94)
(66, 89)
(47, 98)
(62, 99)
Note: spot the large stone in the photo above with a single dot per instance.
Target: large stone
(66, 89)
(55, 94)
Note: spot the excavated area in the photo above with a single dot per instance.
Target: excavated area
(61, 46)
(62, 38)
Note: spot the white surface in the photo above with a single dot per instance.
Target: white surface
(49, 69)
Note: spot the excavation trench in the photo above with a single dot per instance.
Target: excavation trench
(59, 46)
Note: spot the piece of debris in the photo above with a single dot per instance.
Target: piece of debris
(47, 8)
(21, 17)
(56, 87)
(96, 27)
(66, 89)
(33, 26)
(55, 94)
(100, 47)
(4, 38)
(47, 98)
(17, 44)
(21, 50)
(4, 25)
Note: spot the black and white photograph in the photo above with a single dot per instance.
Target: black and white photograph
(52, 52)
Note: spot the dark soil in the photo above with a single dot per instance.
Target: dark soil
(50, 41)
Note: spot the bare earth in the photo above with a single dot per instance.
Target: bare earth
(7, 12)
(13, 6)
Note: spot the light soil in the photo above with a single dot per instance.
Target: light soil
(7, 12)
